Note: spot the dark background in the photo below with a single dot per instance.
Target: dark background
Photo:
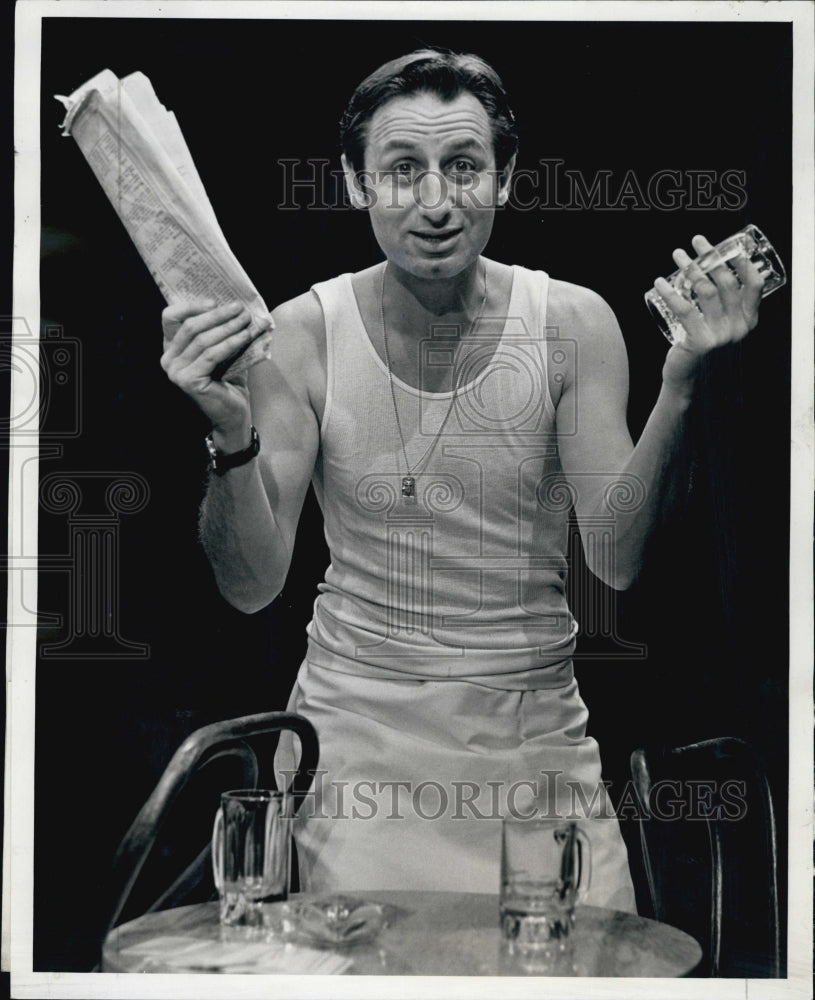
(711, 609)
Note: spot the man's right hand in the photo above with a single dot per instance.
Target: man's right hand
(198, 337)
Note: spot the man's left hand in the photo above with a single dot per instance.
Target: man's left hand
(724, 311)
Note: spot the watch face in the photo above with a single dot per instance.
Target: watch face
(220, 463)
(213, 452)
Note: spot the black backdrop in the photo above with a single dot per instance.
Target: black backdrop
(711, 609)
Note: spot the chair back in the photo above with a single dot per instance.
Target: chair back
(709, 848)
(235, 740)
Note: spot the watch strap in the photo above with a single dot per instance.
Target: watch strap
(221, 463)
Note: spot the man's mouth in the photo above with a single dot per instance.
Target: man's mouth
(436, 239)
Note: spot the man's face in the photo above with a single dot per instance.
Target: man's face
(430, 182)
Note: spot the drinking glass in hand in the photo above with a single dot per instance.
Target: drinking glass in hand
(545, 868)
(251, 853)
(749, 243)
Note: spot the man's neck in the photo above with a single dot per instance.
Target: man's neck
(411, 303)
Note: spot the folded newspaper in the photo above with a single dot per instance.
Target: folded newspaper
(136, 149)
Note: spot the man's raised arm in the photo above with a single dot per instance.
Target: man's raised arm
(635, 487)
(250, 512)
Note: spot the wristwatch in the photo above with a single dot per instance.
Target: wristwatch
(220, 463)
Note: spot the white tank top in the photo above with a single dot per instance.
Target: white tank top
(468, 581)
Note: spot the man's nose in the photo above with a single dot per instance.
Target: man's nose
(433, 196)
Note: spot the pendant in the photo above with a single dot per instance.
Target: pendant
(408, 489)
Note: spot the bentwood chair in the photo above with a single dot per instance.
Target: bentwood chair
(240, 748)
(709, 847)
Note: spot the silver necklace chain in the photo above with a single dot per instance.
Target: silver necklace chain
(409, 480)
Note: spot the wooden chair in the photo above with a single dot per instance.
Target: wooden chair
(710, 853)
(234, 741)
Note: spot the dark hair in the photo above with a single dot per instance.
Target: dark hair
(446, 74)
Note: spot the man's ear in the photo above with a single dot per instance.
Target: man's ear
(356, 192)
(504, 178)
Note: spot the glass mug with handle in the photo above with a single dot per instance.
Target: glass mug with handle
(251, 853)
(748, 244)
(545, 870)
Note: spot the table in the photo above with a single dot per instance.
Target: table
(431, 934)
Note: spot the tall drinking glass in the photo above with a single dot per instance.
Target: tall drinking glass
(545, 868)
(748, 244)
(251, 853)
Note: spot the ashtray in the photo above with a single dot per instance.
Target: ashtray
(339, 920)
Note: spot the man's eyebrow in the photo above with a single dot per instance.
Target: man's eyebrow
(397, 144)
(465, 142)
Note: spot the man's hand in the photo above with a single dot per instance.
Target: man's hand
(725, 311)
(198, 338)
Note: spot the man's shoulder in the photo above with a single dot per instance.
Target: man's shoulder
(298, 340)
(576, 308)
(302, 312)
(305, 311)
(581, 315)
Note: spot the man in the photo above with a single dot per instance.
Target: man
(449, 410)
